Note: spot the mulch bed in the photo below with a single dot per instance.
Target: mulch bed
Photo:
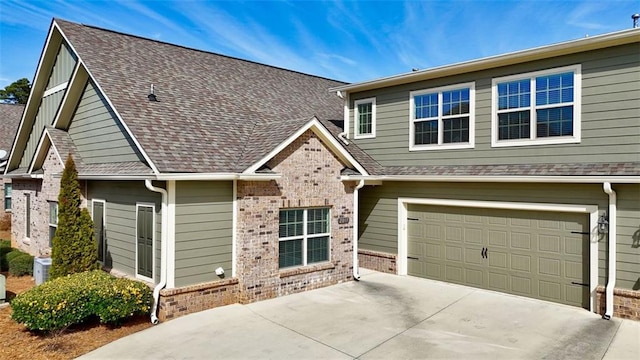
(16, 342)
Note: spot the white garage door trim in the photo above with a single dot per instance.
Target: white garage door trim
(592, 210)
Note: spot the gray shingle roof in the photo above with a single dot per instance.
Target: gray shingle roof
(582, 169)
(10, 116)
(214, 113)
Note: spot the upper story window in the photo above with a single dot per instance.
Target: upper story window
(442, 118)
(7, 196)
(304, 236)
(537, 108)
(365, 118)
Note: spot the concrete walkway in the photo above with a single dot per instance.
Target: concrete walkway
(386, 317)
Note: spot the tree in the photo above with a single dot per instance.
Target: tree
(17, 92)
(74, 247)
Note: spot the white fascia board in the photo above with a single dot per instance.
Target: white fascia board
(324, 135)
(217, 176)
(502, 179)
(563, 48)
(42, 145)
(115, 110)
(30, 100)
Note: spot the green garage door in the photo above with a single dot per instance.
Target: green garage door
(543, 255)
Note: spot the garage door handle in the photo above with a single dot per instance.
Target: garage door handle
(577, 283)
(581, 233)
(412, 258)
(484, 253)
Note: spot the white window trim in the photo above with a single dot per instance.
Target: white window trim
(577, 109)
(5, 197)
(57, 216)
(27, 223)
(305, 237)
(104, 224)
(441, 146)
(356, 119)
(153, 243)
(590, 210)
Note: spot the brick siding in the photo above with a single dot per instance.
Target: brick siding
(378, 261)
(626, 303)
(310, 178)
(177, 302)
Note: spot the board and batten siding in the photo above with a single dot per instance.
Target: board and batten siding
(610, 115)
(204, 230)
(97, 133)
(378, 223)
(63, 68)
(121, 198)
(49, 105)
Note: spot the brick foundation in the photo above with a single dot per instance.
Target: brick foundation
(177, 302)
(626, 303)
(378, 261)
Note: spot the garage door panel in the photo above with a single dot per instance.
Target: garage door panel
(499, 281)
(549, 224)
(521, 263)
(520, 222)
(416, 267)
(473, 236)
(473, 256)
(433, 251)
(433, 232)
(454, 253)
(549, 244)
(498, 259)
(521, 285)
(498, 238)
(520, 241)
(550, 290)
(434, 271)
(453, 233)
(454, 273)
(416, 249)
(573, 270)
(474, 277)
(575, 294)
(548, 267)
(573, 246)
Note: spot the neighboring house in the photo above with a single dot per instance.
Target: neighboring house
(518, 173)
(222, 180)
(10, 115)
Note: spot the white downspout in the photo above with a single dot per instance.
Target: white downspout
(345, 133)
(163, 250)
(356, 272)
(611, 284)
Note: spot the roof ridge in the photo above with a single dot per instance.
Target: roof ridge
(57, 20)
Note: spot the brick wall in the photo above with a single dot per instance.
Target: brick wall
(41, 191)
(174, 303)
(310, 178)
(378, 261)
(626, 303)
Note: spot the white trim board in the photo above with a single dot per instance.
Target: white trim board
(591, 210)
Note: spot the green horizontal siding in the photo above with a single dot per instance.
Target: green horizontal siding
(610, 108)
(63, 67)
(204, 225)
(121, 198)
(97, 133)
(378, 223)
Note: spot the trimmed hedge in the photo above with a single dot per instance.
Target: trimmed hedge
(5, 249)
(20, 263)
(72, 299)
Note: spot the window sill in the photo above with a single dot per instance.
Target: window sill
(26, 241)
(306, 269)
(448, 146)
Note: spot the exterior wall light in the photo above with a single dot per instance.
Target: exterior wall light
(603, 224)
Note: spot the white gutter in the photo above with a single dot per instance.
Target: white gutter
(611, 284)
(163, 250)
(356, 272)
(632, 179)
(218, 176)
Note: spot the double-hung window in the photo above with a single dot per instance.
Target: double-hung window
(537, 108)
(365, 118)
(304, 236)
(7, 197)
(53, 220)
(442, 118)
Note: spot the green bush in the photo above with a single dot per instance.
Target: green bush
(72, 299)
(20, 263)
(5, 249)
(74, 248)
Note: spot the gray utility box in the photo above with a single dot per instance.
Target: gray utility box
(3, 289)
(41, 269)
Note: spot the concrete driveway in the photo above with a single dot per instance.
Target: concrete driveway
(385, 317)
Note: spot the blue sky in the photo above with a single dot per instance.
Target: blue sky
(344, 40)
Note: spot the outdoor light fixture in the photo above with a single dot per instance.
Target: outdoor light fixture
(603, 224)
